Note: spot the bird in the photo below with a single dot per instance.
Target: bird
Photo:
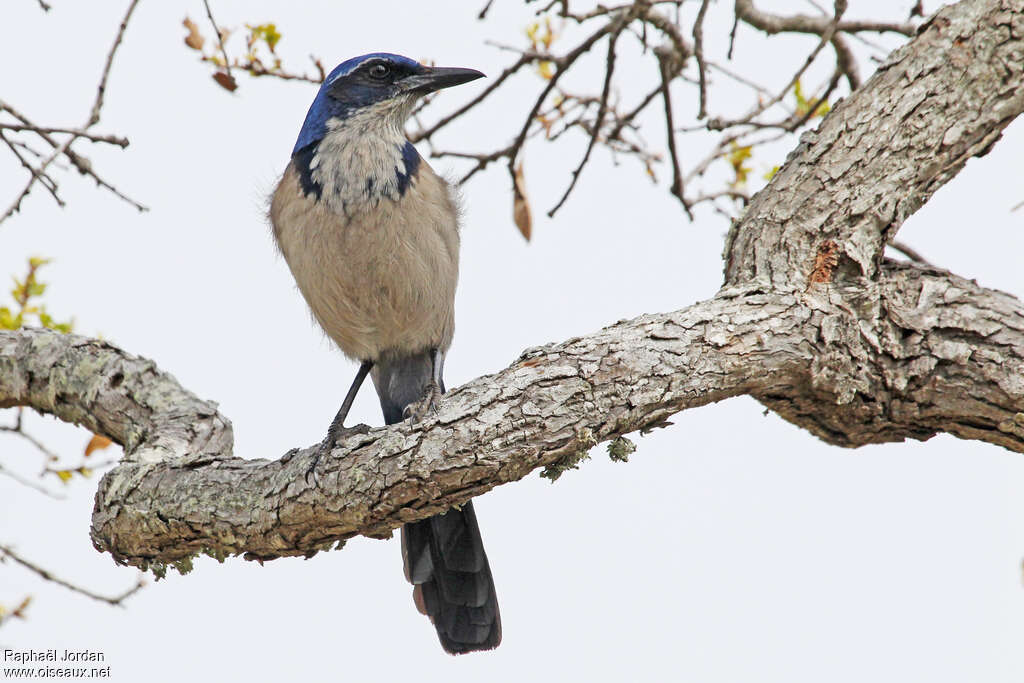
(370, 233)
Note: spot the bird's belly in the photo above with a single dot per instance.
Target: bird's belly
(376, 283)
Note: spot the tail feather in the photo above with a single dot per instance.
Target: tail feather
(444, 555)
(458, 593)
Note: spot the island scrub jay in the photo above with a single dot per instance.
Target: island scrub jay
(371, 235)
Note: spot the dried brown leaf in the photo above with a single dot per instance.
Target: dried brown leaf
(96, 443)
(194, 39)
(19, 611)
(521, 205)
(226, 81)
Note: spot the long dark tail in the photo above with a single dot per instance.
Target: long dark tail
(444, 555)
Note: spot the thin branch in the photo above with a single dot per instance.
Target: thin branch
(91, 466)
(732, 35)
(31, 484)
(38, 173)
(812, 108)
(678, 188)
(83, 165)
(801, 23)
(426, 134)
(49, 183)
(94, 115)
(562, 64)
(482, 160)
(602, 109)
(18, 430)
(220, 39)
(630, 116)
(739, 78)
(826, 37)
(116, 600)
(698, 51)
(909, 252)
(846, 61)
(483, 12)
(77, 132)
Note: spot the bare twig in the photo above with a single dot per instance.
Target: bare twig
(698, 51)
(739, 78)
(483, 12)
(63, 148)
(94, 115)
(909, 252)
(82, 164)
(116, 600)
(77, 132)
(220, 39)
(426, 134)
(256, 70)
(562, 64)
(801, 23)
(31, 484)
(605, 124)
(732, 35)
(49, 183)
(482, 160)
(36, 174)
(602, 109)
(846, 62)
(826, 37)
(92, 467)
(19, 430)
(678, 188)
(797, 122)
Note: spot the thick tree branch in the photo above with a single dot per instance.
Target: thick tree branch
(812, 322)
(881, 153)
(925, 359)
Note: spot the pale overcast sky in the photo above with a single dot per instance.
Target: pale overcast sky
(732, 547)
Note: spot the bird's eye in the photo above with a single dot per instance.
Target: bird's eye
(379, 71)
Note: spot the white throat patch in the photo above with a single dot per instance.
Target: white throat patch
(358, 162)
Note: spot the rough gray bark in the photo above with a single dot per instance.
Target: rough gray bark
(812, 321)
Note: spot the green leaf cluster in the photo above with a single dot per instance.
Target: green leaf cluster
(27, 308)
(803, 105)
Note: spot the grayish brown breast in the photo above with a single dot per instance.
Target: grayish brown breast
(381, 280)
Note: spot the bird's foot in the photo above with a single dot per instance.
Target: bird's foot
(417, 411)
(333, 435)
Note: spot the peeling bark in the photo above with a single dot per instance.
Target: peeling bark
(812, 321)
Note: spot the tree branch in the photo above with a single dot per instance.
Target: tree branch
(812, 321)
(801, 23)
(114, 600)
(931, 363)
(881, 153)
(81, 163)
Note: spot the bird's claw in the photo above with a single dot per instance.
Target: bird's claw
(417, 411)
(328, 443)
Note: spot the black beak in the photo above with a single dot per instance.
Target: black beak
(437, 77)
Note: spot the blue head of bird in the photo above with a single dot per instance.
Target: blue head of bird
(380, 89)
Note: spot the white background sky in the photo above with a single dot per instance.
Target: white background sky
(732, 547)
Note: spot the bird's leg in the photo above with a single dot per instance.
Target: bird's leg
(432, 392)
(338, 428)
